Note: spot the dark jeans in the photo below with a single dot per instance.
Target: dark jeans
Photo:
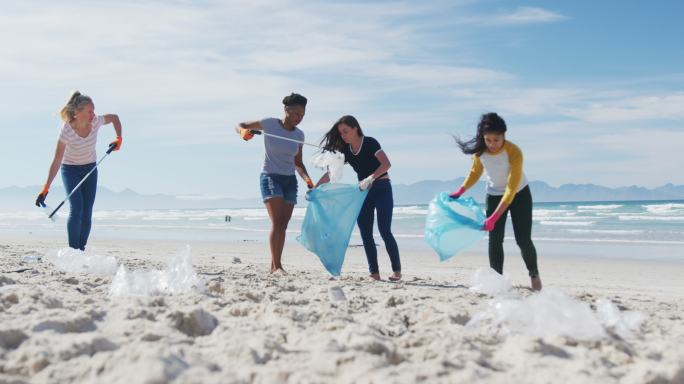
(521, 214)
(379, 199)
(81, 202)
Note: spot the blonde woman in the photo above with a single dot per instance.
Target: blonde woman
(76, 156)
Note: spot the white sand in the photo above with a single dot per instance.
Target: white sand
(249, 327)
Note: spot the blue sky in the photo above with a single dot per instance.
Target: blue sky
(593, 92)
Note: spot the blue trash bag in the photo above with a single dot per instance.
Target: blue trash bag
(453, 225)
(329, 220)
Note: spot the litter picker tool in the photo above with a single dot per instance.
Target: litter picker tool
(111, 148)
(258, 132)
(330, 161)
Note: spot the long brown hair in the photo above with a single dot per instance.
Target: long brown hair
(332, 141)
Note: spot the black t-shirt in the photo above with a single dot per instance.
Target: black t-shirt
(364, 162)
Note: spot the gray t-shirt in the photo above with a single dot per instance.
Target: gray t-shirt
(280, 153)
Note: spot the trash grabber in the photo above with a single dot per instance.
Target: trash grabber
(258, 132)
(111, 148)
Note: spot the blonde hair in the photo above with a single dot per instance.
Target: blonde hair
(76, 102)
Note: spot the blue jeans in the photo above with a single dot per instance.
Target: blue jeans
(379, 199)
(273, 185)
(81, 202)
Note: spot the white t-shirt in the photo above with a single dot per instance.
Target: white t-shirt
(80, 150)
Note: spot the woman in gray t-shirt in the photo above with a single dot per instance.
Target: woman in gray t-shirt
(277, 180)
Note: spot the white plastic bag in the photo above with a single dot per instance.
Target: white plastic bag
(331, 162)
(179, 277)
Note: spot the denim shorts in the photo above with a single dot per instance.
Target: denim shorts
(273, 185)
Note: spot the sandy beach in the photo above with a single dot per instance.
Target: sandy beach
(246, 326)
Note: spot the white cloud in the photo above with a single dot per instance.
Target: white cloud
(527, 15)
(519, 17)
(669, 106)
(513, 99)
(422, 75)
(591, 104)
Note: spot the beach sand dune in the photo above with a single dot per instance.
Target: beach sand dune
(251, 327)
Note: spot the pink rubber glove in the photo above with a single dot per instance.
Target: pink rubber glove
(490, 222)
(458, 193)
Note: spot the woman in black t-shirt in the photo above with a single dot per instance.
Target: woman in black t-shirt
(370, 162)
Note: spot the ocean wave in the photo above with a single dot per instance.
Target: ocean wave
(616, 241)
(188, 227)
(571, 240)
(566, 218)
(650, 218)
(551, 212)
(162, 227)
(615, 214)
(567, 223)
(664, 208)
(600, 207)
(609, 231)
(202, 197)
(24, 215)
(163, 215)
(161, 218)
(408, 235)
(413, 210)
(138, 215)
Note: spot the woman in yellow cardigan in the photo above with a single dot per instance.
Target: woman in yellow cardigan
(507, 191)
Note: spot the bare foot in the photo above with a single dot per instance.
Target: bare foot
(375, 276)
(536, 283)
(395, 276)
(279, 272)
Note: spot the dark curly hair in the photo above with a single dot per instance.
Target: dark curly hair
(294, 99)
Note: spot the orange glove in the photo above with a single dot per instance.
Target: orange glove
(246, 134)
(117, 142)
(309, 183)
(40, 201)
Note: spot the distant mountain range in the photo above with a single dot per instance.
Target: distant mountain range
(21, 198)
(421, 192)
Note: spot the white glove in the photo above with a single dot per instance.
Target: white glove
(366, 183)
